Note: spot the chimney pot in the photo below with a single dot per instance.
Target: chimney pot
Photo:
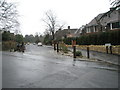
(68, 27)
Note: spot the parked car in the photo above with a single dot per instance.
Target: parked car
(39, 44)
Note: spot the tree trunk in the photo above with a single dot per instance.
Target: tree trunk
(53, 36)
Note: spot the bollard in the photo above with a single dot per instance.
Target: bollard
(110, 49)
(74, 51)
(88, 56)
(57, 47)
(107, 49)
(54, 46)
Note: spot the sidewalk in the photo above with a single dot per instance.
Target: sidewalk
(110, 58)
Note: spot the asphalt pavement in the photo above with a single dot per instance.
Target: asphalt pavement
(42, 67)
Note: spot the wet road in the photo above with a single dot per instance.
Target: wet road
(41, 67)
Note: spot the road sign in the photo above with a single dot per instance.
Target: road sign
(108, 44)
(73, 42)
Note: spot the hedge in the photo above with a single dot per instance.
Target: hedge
(7, 45)
(99, 38)
(8, 36)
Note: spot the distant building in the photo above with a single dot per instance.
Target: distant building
(65, 33)
(71, 32)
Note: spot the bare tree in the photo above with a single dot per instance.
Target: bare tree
(8, 16)
(52, 23)
(115, 3)
(46, 32)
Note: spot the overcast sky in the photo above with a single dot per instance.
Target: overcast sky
(74, 13)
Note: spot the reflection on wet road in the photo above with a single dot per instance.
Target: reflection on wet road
(41, 67)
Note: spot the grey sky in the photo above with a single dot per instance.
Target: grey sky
(74, 13)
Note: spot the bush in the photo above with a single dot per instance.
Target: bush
(63, 47)
(78, 53)
(7, 45)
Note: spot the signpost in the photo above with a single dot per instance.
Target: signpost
(108, 47)
(57, 46)
(74, 48)
(108, 44)
(88, 56)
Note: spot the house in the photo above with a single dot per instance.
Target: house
(112, 20)
(71, 32)
(80, 31)
(103, 22)
(93, 26)
(65, 33)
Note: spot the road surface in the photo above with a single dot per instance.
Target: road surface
(42, 67)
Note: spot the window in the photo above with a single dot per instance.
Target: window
(116, 25)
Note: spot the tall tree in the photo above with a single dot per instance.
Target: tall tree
(52, 23)
(8, 16)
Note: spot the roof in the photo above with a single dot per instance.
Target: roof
(108, 17)
(65, 32)
(112, 17)
(94, 22)
(71, 31)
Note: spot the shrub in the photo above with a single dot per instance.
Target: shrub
(78, 53)
(7, 45)
(64, 48)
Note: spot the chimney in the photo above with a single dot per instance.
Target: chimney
(68, 27)
(112, 8)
